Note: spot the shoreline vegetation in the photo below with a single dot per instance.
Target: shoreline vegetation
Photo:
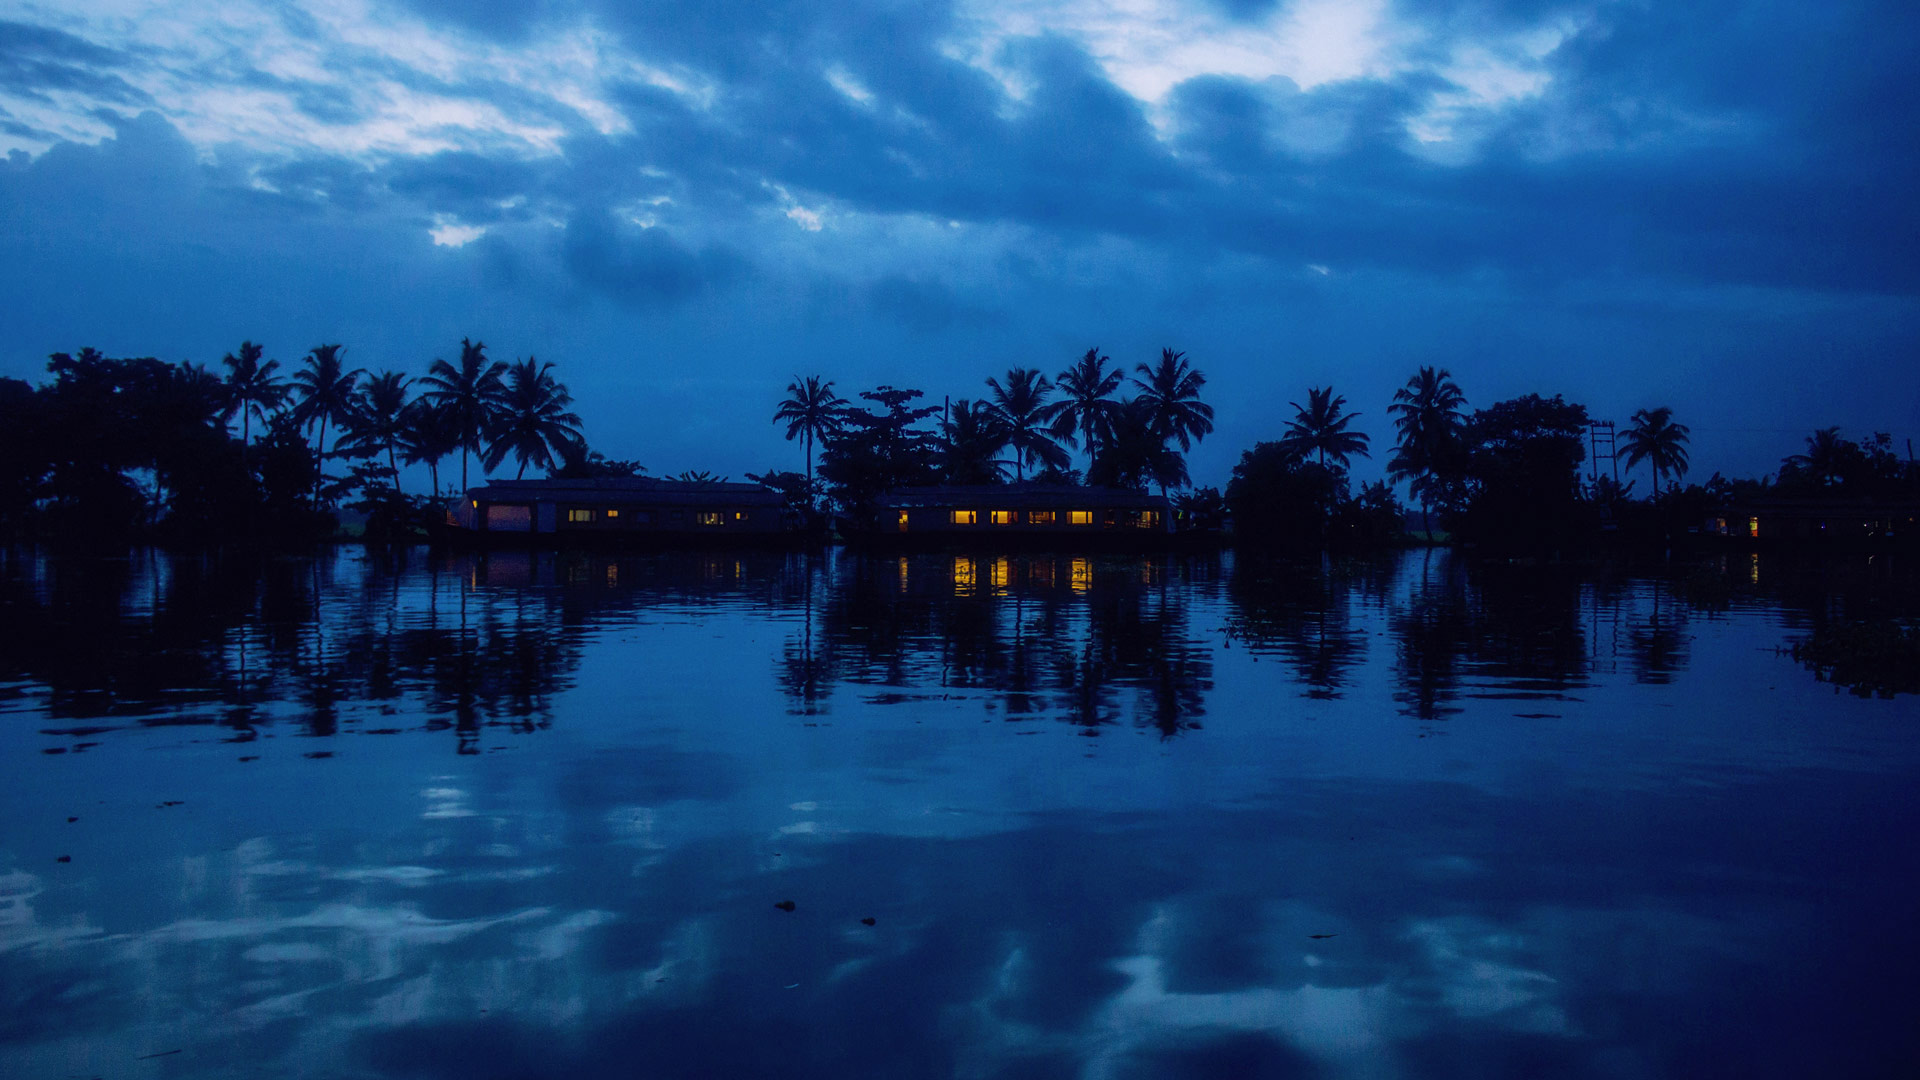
(110, 452)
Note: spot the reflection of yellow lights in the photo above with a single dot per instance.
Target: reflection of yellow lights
(1082, 571)
(999, 572)
(613, 574)
(963, 575)
(903, 574)
(1753, 568)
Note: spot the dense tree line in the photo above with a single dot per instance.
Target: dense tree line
(111, 450)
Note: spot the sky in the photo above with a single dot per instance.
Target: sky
(1708, 205)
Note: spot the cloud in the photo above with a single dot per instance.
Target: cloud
(643, 267)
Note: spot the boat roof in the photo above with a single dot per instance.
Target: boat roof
(627, 491)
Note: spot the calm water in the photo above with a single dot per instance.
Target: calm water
(1109, 818)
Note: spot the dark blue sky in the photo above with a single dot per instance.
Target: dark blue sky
(1709, 205)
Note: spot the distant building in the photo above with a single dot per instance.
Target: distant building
(620, 506)
(988, 510)
(1816, 520)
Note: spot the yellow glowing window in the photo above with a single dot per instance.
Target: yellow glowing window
(1149, 518)
(1039, 517)
(1753, 526)
(963, 574)
(1082, 575)
(1002, 517)
(710, 517)
(999, 573)
(966, 517)
(613, 513)
(1079, 517)
(579, 515)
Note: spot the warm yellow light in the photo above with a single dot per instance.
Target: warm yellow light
(963, 575)
(1753, 526)
(999, 573)
(1082, 572)
(613, 513)
(1079, 517)
(1003, 517)
(1039, 517)
(966, 517)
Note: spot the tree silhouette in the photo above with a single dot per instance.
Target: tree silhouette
(252, 387)
(428, 434)
(470, 395)
(972, 433)
(1321, 428)
(1662, 443)
(1427, 414)
(534, 423)
(1829, 458)
(1170, 393)
(1136, 454)
(1089, 407)
(812, 410)
(1022, 409)
(378, 419)
(326, 390)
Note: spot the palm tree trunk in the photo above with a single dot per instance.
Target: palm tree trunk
(433, 473)
(393, 468)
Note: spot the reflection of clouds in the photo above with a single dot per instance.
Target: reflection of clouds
(20, 926)
(1476, 973)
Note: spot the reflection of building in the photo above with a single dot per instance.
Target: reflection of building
(986, 511)
(632, 507)
(1788, 520)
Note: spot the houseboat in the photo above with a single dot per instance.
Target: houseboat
(1025, 512)
(1796, 521)
(619, 508)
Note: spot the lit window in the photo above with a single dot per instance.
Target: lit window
(1149, 518)
(1082, 575)
(1079, 517)
(999, 573)
(966, 517)
(1002, 517)
(963, 575)
(710, 517)
(739, 515)
(1753, 526)
(900, 520)
(613, 513)
(579, 515)
(1039, 517)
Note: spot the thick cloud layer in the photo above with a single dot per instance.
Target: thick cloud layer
(1703, 205)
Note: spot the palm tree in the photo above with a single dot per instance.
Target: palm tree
(811, 410)
(1655, 437)
(428, 434)
(252, 387)
(973, 434)
(1171, 391)
(1321, 428)
(1089, 407)
(535, 425)
(1136, 453)
(379, 419)
(1427, 414)
(325, 389)
(1022, 409)
(1827, 456)
(470, 396)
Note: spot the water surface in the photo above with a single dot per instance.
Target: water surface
(1108, 817)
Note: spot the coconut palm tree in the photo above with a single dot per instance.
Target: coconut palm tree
(1321, 428)
(379, 419)
(252, 387)
(1023, 411)
(470, 396)
(326, 392)
(1089, 407)
(1661, 442)
(1136, 453)
(535, 426)
(1171, 395)
(1828, 457)
(1427, 416)
(427, 435)
(811, 411)
(972, 434)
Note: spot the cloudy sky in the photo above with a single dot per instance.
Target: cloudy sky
(1710, 204)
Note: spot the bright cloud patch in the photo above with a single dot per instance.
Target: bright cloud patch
(448, 233)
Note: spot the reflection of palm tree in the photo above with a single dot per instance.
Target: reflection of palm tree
(812, 411)
(1321, 428)
(534, 425)
(1661, 442)
(252, 387)
(1426, 413)
(1025, 416)
(378, 417)
(469, 395)
(973, 435)
(1089, 408)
